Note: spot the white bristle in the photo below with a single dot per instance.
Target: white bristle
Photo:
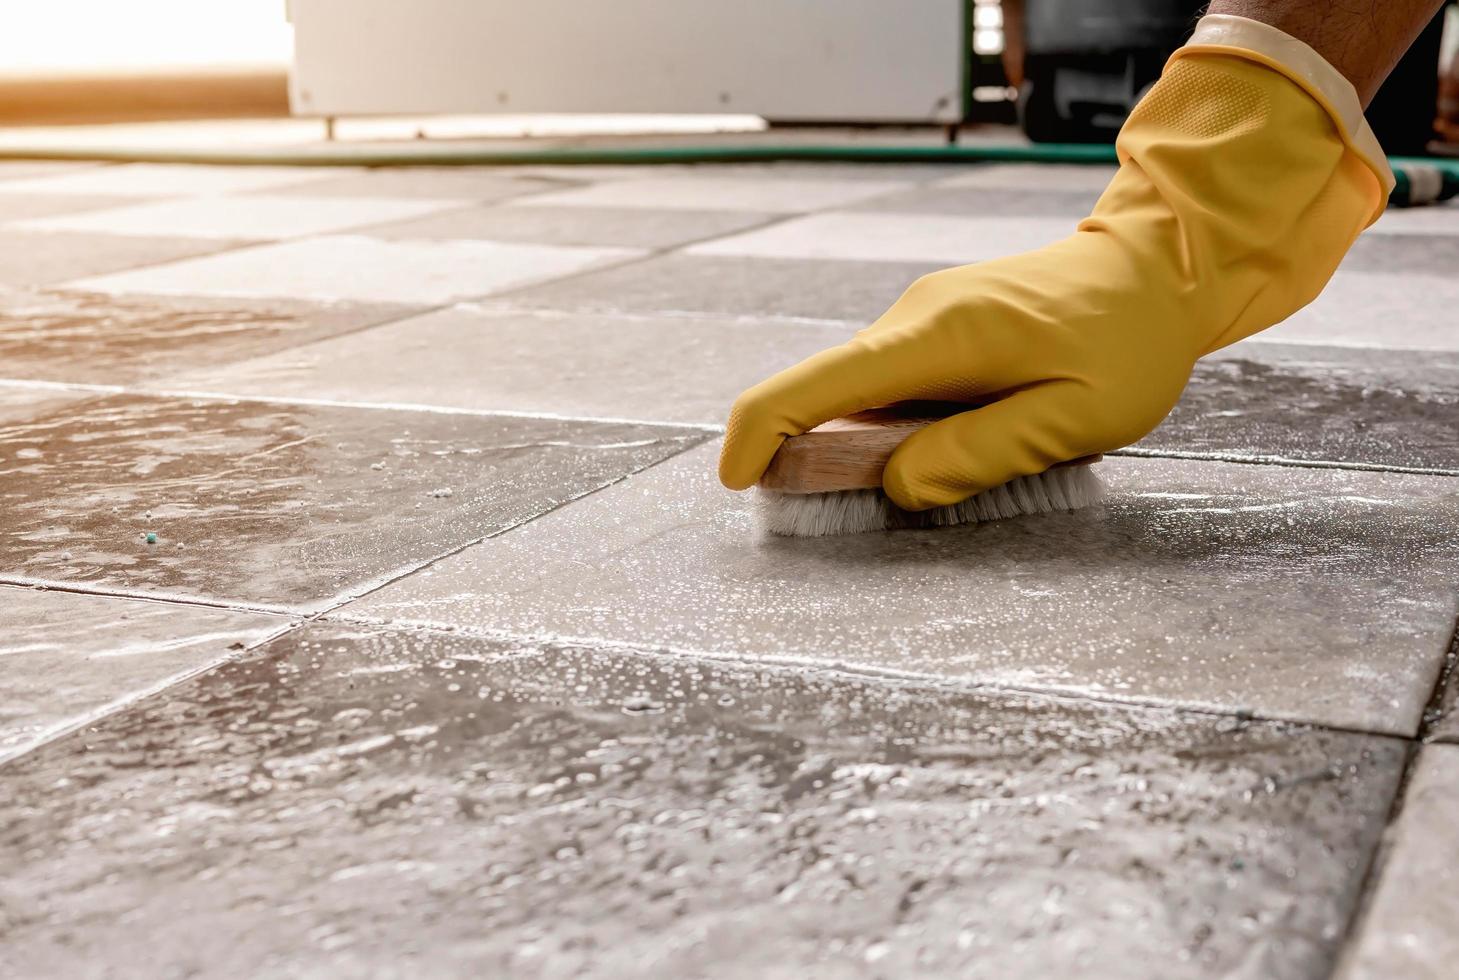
(814, 515)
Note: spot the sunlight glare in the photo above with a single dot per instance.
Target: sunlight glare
(106, 35)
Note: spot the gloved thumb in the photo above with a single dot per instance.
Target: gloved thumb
(1023, 434)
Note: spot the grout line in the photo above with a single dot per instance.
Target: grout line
(921, 679)
(487, 306)
(638, 256)
(1448, 675)
(1135, 452)
(77, 386)
(1378, 860)
(1129, 452)
(131, 699)
(99, 389)
(770, 220)
(101, 591)
(300, 620)
(431, 409)
(633, 255)
(225, 245)
(406, 573)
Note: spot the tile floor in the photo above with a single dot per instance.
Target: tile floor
(450, 657)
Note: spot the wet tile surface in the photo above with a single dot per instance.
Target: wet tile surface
(849, 292)
(698, 193)
(1152, 596)
(96, 338)
(865, 237)
(760, 758)
(601, 366)
(1408, 929)
(357, 268)
(19, 403)
(1373, 407)
(278, 505)
(410, 804)
(66, 655)
(631, 227)
(39, 258)
(246, 217)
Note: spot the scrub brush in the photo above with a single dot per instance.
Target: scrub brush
(828, 481)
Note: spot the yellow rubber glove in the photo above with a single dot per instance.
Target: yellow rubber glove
(1245, 175)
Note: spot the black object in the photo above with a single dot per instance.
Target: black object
(1402, 113)
(1089, 61)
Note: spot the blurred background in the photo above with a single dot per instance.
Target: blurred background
(99, 60)
(1045, 70)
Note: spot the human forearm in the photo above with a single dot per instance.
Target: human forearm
(1362, 39)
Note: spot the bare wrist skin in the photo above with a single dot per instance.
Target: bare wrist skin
(1362, 39)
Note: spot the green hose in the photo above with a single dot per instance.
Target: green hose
(1423, 181)
(429, 154)
(1420, 181)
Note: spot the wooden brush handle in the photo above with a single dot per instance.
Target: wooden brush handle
(850, 453)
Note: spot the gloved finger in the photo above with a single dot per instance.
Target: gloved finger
(1021, 435)
(865, 372)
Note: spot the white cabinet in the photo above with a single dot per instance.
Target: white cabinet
(824, 60)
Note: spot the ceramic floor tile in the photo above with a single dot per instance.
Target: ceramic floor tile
(245, 216)
(1315, 595)
(167, 180)
(1368, 309)
(1088, 178)
(864, 237)
(849, 292)
(1071, 205)
(67, 655)
(361, 269)
(20, 207)
(713, 193)
(1438, 219)
(1408, 928)
(97, 338)
(658, 368)
(1423, 254)
(277, 505)
(406, 804)
(1261, 400)
(629, 227)
(38, 258)
(476, 184)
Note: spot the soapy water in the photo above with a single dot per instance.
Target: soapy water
(348, 798)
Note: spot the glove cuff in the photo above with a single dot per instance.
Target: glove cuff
(1241, 37)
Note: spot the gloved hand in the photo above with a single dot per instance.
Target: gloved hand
(1245, 175)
